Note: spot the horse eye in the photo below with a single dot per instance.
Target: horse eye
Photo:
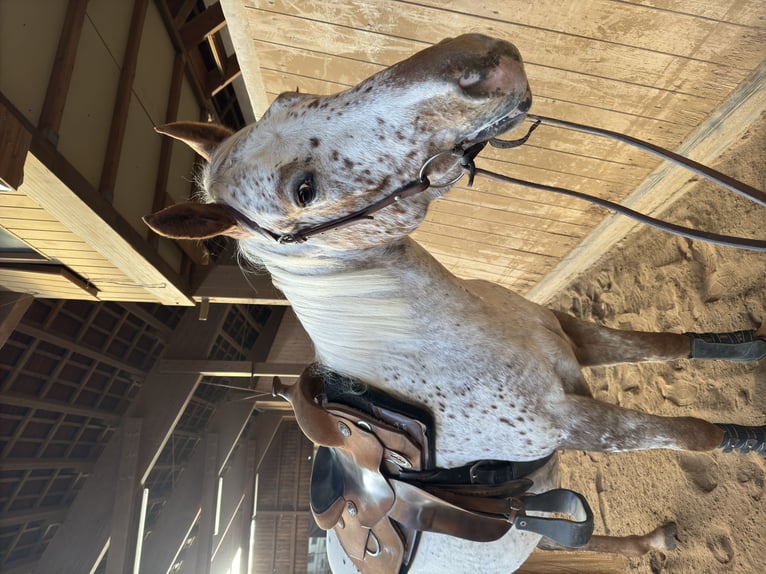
(305, 193)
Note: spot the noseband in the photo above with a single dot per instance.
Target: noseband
(466, 157)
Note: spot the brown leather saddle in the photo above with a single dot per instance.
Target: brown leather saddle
(374, 481)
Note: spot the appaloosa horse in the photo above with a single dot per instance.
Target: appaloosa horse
(500, 374)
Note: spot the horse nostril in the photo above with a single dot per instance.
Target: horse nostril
(526, 103)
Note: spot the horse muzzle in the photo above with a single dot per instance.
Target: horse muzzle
(487, 76)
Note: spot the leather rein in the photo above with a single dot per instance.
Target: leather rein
(468, 155)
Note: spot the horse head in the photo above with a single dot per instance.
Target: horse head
(314, 159)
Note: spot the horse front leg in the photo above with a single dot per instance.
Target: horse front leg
(661, 538)
(588, 424)
(598, 345)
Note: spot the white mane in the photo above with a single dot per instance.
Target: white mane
(361, 319)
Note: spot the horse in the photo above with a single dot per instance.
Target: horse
(501, 375)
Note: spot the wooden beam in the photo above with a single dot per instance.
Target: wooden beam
(665, 185)
(183, 11)
(15, 141)
(49, 337)
(213, 368)
(201, 26)
(193, 249)
(122, 103)
(53, 515)
(277, 513)
(61, 74)
(12, 309)
(19, 566)
(166, 147)
(232, 284)
(194, 79)
(264, 431)
(80, 466)
(217, 80)
(83, 537)
(30, 402)
(124, 527)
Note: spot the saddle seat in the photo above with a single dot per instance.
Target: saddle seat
(374, 483)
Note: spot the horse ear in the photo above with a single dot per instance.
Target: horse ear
(192, 220)
(201, 137)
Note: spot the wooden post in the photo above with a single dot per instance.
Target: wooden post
(248, 504)
(207, 518)
(61, 75)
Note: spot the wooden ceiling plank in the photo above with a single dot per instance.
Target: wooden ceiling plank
(625, 24)
(740, 12)
(573, 53)
(514, 199)
(46, 281)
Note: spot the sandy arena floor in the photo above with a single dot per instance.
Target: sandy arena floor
(654, 281)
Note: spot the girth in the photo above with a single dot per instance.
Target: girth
(375, 483)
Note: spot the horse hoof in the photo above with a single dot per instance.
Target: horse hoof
(663, 537)
(736, 346)
(670, 533)
(743, 439)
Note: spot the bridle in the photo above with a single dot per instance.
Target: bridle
(466, 157)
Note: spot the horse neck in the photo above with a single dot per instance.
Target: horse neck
(363, 312)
